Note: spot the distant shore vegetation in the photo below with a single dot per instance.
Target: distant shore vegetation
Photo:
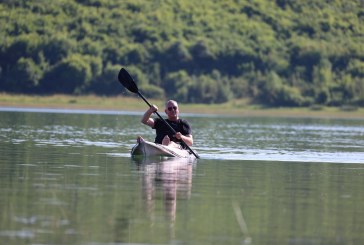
(235, 108)
(278, 53)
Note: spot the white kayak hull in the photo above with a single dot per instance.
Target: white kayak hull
(150, 149)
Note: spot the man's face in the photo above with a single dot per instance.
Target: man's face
(172, 110)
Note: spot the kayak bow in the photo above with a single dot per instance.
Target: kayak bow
(150, 149)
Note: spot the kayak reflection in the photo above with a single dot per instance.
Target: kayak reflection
(166, 180)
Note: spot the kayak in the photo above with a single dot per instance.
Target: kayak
(150, 149)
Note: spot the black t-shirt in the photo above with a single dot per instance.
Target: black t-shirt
(162, 129)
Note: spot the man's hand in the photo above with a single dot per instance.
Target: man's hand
(188, 139)
(153, 108)
(178, 135)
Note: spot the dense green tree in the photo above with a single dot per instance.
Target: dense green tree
(23, 46)
(71, 75)
(106, 83)
(278, 53)
(179, 85)
(356, 68)
(322, 78)
(57, 48)
(24, 76)
(152, 91)
(208, 90)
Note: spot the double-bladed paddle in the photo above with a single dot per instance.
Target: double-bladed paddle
(128, 82)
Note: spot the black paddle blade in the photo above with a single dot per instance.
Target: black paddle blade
(127, 81)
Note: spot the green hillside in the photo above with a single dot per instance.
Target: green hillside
(276, 53)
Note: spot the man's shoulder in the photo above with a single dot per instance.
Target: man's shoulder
(183, 121)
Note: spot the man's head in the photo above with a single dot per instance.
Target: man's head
(172, 110)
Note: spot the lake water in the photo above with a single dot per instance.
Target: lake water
(67, 178)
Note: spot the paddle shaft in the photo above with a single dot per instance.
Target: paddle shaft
(169, 126)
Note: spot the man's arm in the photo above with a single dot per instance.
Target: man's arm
(188, 139)
(146, 117)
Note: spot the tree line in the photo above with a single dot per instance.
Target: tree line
(276, 53)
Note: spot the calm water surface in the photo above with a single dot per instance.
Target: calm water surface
(67, 178)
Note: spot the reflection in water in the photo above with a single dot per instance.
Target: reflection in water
(170, 179)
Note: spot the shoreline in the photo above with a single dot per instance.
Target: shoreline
(236, 108)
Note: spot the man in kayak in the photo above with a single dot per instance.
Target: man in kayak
(164, 135)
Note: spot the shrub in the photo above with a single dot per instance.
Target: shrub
(23, 77)
(152, 91)
(107, 83)
(69, 76)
